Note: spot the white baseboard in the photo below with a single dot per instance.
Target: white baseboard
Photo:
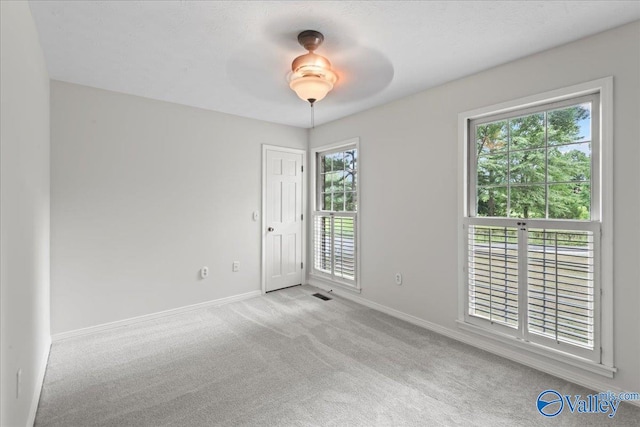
(547, 367)
(145, 318)
(37, 387)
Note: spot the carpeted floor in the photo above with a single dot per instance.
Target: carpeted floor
(290, 359)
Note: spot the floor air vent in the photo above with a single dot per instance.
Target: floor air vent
(322, 297)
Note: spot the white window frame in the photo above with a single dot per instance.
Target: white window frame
(315, 208)
(604, 87)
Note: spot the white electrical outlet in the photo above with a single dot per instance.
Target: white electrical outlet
(236, 266)
(204, 272)
(398, 279)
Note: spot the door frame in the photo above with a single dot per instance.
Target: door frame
(263, 215)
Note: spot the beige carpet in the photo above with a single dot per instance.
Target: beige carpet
(290, 359)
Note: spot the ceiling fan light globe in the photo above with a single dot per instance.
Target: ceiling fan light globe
(311, 87)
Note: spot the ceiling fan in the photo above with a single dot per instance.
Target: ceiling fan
(355, 72)
(311, 76)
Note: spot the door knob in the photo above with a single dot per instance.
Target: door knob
(270, 229)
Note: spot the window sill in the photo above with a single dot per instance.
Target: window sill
(315, 278)
(569, 359)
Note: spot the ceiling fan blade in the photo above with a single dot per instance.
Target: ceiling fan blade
(262, 73)
(260, 70)
(363, 72)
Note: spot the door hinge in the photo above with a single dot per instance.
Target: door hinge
(301, 265)
(301, 216)
(301, 168)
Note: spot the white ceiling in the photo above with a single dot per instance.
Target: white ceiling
(233, 57)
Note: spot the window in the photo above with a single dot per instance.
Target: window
(335, 216)
(536, 165)
(531, 245)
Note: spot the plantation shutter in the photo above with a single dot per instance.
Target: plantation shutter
(322, 243)
(335, 245)
(550, 272)
(561, 288)
(493, 274)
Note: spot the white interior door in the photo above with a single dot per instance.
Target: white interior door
(283, 219)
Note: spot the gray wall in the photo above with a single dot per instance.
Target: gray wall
(409, 193)
(24, 225)
(145, 193)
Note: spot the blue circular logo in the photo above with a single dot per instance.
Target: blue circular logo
(550, 403)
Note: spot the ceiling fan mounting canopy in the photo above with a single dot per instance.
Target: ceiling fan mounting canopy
(310, 39)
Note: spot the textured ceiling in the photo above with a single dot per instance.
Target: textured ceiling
(233, 56)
